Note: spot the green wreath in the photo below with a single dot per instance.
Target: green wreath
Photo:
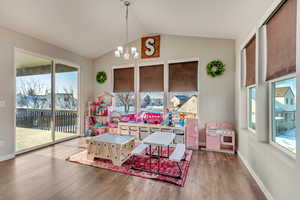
(215, 68)
(101, 77)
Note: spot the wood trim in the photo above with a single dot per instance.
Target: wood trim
(156, 46)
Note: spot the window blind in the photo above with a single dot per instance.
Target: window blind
(124, 80)
(152, 78)
(281, 41)
(251, 62)
(183, 76)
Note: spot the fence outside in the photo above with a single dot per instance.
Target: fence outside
(65, 121)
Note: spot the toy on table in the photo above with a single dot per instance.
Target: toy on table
(129, 118)
(115, 118)
(182, 118)
(88, 132)
(169, 118)
(152, 118)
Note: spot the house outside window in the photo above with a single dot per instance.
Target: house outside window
(152, 102)
(283, 113)
(183, 103)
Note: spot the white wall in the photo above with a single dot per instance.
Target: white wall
(9, 40)
(216, 99)
(276, 172)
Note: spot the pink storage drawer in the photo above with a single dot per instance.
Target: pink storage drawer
(213, 142)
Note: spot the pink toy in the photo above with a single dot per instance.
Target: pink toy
(152, 118)
(105, 98)
(220, 137)
(192, 134)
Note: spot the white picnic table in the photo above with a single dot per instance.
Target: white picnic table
(160, 139)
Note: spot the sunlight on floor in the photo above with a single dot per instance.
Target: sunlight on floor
(26, 137)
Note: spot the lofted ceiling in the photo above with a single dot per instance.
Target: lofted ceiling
(93, 27)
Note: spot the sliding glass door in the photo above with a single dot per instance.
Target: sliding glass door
(66, 101)
(46, 101)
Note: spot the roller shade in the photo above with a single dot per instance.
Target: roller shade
(124, 80)
(281, 41)
(183, 76)
(251, 62)
(152, 78)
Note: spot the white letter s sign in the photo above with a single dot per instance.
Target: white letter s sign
(150, 47)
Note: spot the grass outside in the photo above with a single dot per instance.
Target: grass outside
(27, 137)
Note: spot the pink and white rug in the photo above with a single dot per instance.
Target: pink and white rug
(167, 166)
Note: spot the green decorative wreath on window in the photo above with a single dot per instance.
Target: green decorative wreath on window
(101, 77)
(215, 68)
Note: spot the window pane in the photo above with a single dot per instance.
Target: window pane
(252, 108)
(124, 103)
(184, 102)
(283, 113)
(152, 102)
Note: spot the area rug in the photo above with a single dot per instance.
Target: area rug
(142, 161)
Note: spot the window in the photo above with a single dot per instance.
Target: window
(283, 123)
(252, 108)
(152, 102)
(124, 103)
(250, 61)
(281, 31)
(183, 103)
(286, 101)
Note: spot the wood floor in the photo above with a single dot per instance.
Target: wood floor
(44, 174)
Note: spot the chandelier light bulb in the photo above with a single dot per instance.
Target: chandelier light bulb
(117, 54)
(126, 56)
(133, 50)
(136, 55)
(120, 49)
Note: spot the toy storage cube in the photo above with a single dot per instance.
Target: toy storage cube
(143, 135)
(134, 133)
(133, 128)
(179, 139)
(167, 130)
(124, 130)
(153, 130)
(144, 132)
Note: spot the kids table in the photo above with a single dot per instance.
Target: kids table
(116, 148)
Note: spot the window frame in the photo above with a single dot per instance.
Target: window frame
(271, 142)
(248, 108)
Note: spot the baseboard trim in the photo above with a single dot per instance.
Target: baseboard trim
(7, 157)
(256, 178)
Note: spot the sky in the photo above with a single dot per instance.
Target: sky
(65, 80)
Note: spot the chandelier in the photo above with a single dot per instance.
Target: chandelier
(127, 52)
